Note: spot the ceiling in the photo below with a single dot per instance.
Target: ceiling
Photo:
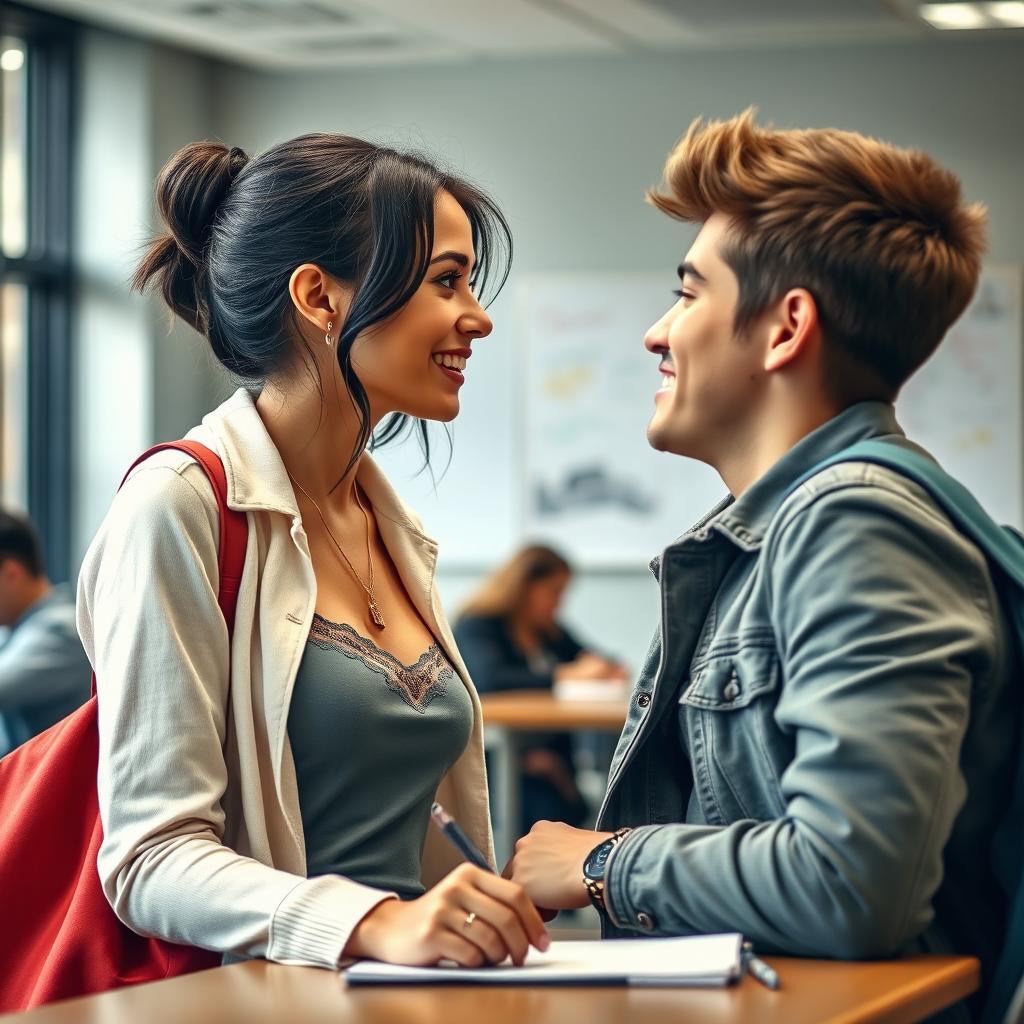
(294, 34)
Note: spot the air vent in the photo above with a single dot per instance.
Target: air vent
(261, 15)
(341, 44)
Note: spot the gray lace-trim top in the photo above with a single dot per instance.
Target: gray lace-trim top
(372, 739)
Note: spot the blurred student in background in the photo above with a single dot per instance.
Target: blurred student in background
(511, 639)
(44, 673)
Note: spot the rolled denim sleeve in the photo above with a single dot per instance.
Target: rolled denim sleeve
(883, 616)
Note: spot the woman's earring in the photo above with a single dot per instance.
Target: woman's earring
(328, 338)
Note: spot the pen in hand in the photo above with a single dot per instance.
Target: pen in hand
(450, 827)
(758, 968)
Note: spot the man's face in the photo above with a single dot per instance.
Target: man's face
(710, 377)
(12, 578)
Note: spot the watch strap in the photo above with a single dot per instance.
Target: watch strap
(595, 886)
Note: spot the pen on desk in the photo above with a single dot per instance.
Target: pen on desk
(450, 827)
(758, 968)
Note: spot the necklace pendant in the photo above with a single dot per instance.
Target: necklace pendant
(378, 619)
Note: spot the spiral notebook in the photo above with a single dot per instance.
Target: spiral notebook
(711, 960)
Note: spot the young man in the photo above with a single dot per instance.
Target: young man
(820, 743)
(44, 673)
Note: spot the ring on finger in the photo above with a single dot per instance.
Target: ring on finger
(468, 923)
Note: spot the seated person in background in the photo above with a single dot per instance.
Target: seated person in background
(511, 639)
(44, 673)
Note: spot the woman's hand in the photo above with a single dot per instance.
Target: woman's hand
(435, 926)
(589, 666)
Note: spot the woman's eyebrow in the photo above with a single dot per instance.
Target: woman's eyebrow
(451, 254)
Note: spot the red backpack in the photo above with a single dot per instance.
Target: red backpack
(60, 938)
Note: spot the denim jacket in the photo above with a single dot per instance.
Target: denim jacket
(818, 745)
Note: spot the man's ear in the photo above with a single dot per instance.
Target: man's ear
(794, 330)
(319, 297)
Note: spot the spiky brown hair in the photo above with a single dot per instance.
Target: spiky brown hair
(879, 235)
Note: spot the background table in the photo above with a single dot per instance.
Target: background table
(813, 992)
(506, 716)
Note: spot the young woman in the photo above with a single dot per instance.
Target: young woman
(509, 634)
(270, 797)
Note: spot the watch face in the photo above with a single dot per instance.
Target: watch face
(595, 865)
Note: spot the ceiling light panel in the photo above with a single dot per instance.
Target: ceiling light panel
(955, 17)
(1009, 13)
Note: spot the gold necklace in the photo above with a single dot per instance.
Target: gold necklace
(378, 619)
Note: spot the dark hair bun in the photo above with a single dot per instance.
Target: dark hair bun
(189, 191)
(191, 187)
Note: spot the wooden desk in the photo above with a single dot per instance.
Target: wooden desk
(506, 715)
(813, 992)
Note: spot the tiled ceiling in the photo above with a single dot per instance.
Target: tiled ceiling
(341, 33)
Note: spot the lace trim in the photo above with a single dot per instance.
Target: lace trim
(417, 684)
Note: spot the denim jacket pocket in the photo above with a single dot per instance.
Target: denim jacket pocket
(736, 749)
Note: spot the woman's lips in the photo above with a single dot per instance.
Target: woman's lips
(453, 375)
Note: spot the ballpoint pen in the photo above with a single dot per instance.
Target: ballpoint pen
(758, 968)
(450, 827)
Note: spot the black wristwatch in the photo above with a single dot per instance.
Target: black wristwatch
(595, 864)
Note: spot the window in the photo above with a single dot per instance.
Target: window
(35, 274)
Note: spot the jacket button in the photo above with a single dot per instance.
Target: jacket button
(645, 921)
(732, 690)
(643, 700)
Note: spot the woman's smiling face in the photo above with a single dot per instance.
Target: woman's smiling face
(414, 362)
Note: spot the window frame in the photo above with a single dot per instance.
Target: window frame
(46, 271)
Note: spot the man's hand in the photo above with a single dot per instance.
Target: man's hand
(548, 864)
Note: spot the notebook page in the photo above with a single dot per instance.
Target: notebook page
(693, 960)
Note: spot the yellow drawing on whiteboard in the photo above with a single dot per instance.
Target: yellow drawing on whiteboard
(980, 437)
(567, 383)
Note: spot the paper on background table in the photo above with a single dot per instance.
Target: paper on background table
(693, 960)
(601, 691)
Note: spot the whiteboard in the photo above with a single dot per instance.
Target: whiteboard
(964, 404)
(591, 484)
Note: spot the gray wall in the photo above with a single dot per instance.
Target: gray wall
(185, 373)
(137, 378)
(114, 381)
(567, 147)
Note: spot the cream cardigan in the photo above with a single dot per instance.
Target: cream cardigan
(203, 837)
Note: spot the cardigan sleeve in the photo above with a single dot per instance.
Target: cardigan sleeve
(149, 620)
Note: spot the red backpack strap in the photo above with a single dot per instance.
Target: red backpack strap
(234, 527)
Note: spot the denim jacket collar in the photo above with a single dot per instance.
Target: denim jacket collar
(745, 521)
